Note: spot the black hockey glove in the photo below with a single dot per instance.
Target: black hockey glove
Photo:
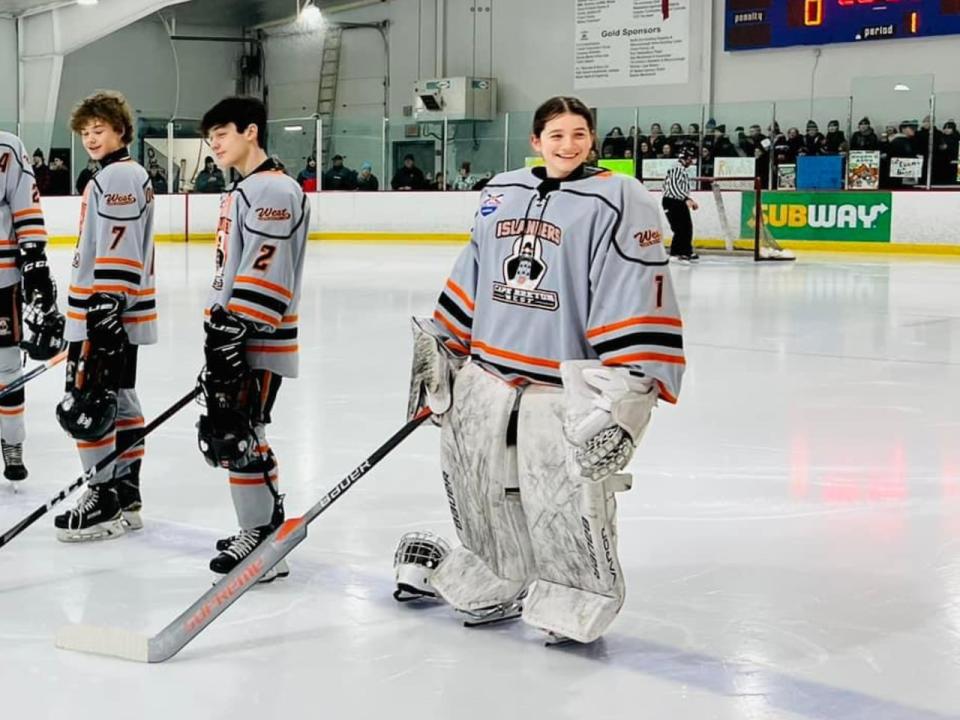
(223, 348)
(38, 287)
(104, 324)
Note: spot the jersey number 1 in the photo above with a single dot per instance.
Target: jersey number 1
(658, 281)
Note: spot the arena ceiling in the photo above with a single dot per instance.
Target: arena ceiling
(238, 13)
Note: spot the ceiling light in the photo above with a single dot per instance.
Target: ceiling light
(310, 14)
(87, 2)
(293, 128)
(900, 87)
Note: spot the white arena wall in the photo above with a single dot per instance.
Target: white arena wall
(921, 222)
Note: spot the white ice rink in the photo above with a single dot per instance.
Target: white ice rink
(791, 544)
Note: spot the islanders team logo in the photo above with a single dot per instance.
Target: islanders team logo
(523, 271)
(491, 203)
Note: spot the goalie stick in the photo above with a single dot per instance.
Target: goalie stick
(190, 623)
(88, 474)
(32, 373)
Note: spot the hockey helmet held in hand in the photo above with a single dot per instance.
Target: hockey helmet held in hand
(418, 555)
(87, 415)
(44, 333)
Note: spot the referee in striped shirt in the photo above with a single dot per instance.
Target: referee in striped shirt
(677, 205)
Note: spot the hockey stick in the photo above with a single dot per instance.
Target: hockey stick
(175, 636)
(32, 373)
(91, 473)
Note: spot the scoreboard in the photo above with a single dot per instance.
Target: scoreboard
(755, 24)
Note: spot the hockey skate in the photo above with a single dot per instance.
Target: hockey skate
(96, 516)
(13, 468)
(235, 549)
(502, 612)
(128, 495)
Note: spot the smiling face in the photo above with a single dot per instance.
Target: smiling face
(100, 138)
(564, 144)
(231, 147)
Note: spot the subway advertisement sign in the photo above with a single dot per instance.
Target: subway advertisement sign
(820, 216)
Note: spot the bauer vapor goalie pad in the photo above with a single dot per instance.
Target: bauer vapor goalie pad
(571, 514)
(434, 366)
(494, 564)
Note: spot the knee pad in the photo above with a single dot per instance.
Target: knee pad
(572, 524)
(495, 563)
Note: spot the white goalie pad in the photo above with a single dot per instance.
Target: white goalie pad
(495, 563)
(606, 412)
(572, 524)
(434, 366)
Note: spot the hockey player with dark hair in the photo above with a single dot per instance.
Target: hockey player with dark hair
(550, 344)
(677, 204)
(26, 290)
(251, 321)
(111, 312)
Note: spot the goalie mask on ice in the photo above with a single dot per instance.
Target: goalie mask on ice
(418, 556)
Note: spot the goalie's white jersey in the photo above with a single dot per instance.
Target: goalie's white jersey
(567, 270)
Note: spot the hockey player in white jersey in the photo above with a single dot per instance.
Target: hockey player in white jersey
(251, 321)
(26, 291)
(111, 312)
(553, 339)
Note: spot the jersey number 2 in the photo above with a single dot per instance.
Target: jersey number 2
(266, 256)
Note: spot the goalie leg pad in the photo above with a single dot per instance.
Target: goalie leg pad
(580, 587)
(12, 427)
(495, 563)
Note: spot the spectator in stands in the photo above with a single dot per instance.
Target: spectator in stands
(706, 163)
(864, 138)
(813, 141)
(886, 139)
(708, 134)
(901, 145)
(158, 178)
(464, 181)
(645, 151)
(945, 155)
(923, 139)
(636, 135)
(59, 177)
(656, 138)
(366, 180)
(339, 176)
(834, 142)
(408, 176)
(41, 173)
(84, 177)
(307, 178)
(666, 151)
(722, 147)
(614, 142)
(676, 138)
(210, 179)
(693, 133)
(794, 144)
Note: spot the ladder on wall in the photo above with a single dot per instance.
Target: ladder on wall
(327, 95)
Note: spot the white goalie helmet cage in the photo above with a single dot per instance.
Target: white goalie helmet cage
(418, 555)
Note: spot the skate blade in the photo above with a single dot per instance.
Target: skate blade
(104, 531)
(132, 520)
(495, 617)
(278, 572)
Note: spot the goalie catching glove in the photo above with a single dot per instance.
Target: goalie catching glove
(607, 412)
(44, 323)
(434, 367)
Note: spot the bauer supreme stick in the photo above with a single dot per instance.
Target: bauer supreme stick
(175, 636)
(32, 373)
(91, 473)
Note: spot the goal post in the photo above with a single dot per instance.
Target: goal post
(724, 225)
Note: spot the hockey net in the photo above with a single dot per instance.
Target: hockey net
(730, 220)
